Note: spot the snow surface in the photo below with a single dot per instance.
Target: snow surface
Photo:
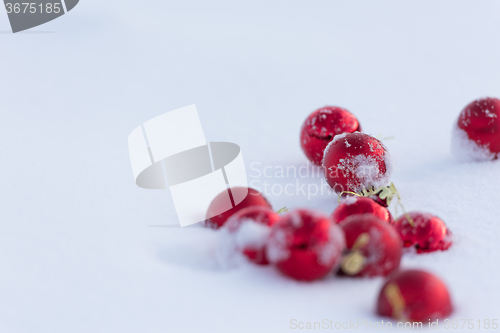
(332, 249)
(76, 247)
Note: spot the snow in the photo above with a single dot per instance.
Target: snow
(376, 249)
(333, 248)
(277, 247)
(252, 235)
(76, 247)
(464, 149)
(366, 169)
(349, 200)
(389, 168)
(234, 237)
(227, 253)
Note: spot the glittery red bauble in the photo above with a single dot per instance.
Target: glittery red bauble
(254, 198)
(414, 295)
(374, 246)
(428, 233)
(356, 160)
(305, 245)
(251, 227)
(357, 205)
(321, 127)
(480, 120)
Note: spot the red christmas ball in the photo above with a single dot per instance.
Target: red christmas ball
(476, 135)
(321, 127)
(374, 246)
(222, 200)
(425, 232)
(354, 161)
(360, 205)
(305, 245)
(414, 295)
(250, 228)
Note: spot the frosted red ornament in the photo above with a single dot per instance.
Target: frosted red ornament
(374, 246)
(305, 245)
(423, 231)
(253, 198)
(476, 135)
(360, 205)
(414, 295)
(250, 228)
(321, 127)
(354, 161)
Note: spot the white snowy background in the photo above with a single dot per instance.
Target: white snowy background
(76, 250)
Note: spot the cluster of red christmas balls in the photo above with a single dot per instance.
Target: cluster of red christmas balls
(360, 238)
